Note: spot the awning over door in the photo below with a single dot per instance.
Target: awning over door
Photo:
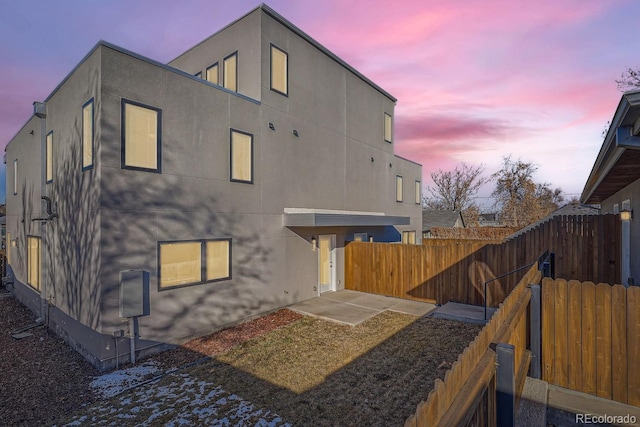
(302, 217)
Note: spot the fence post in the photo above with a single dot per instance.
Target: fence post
(505, 385)
(535, 332)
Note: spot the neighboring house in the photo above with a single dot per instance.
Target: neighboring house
(433, 219)
(614, 181)
(490, 220)
(568, 210)
(187, 196)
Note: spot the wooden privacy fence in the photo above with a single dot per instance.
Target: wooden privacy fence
(591, 338)
(586, 247)
(489, 373)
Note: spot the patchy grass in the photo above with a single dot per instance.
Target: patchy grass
(307, 372)
(315, 372)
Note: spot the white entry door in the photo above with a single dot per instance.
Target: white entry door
(326, 263)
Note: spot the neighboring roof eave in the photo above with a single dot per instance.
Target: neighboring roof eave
(609, 153)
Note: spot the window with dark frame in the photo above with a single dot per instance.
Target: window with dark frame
(193, 262)
(33, 262)
(87, 135)
(141, 137)
(15, 177)
(388, 128)
(241, 152)
(230, 72)
(279, 70)
(212, 74)
(399, 188)
(49, 158)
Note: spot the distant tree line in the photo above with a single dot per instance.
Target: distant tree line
(520, 200)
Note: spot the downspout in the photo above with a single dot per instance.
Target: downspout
(40, 111)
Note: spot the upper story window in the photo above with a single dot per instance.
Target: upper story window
(15, 177)
(230, 72)
(241, 156)
(279, 70)
(388, 128)
(212, 74)
(398, 188)
(141, 141)
(418, 191)
(87, 135)
(49, 157)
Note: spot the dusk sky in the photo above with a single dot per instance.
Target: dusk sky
(475, 79)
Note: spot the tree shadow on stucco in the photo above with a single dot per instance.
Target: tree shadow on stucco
(138, 209)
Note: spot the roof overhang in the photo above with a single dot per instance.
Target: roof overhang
(618, 161)
(296, 217)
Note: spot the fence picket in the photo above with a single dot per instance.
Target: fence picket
(588, 338)
(574, 336)
(603, 340)
(633, 345)
(560, 322)
(619, 342)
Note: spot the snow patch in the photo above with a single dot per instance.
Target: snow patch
(113, 383)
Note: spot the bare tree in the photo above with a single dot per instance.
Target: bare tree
(456, 190)
(630, 79)
(521, 200)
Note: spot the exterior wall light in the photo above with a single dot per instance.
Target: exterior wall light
(314, 243)
(272, 126)
(626, 215)
(295, 133)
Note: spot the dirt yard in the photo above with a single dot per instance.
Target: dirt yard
(281, 369)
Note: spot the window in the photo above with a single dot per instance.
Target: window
(198, 74)
(218, 258)
(418, 193)
(230, 72)
(409, 237)
(212, 74)
(141, 142)
(180, 263)
(193, 262)
(360, 237)
(7, 247)
(279, 70)
(33, 261)
(241, 156)
(49, 154)
(15, 177)
(398, 188)
(388, 128)
(87, 135)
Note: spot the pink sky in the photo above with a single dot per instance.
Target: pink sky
(475, 79)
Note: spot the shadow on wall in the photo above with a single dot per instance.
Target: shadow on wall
(111, 220)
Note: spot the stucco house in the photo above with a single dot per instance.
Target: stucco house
(614, 181)
(148, 203)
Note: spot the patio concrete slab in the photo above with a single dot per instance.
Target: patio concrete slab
(352, 307)
(463, 312)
